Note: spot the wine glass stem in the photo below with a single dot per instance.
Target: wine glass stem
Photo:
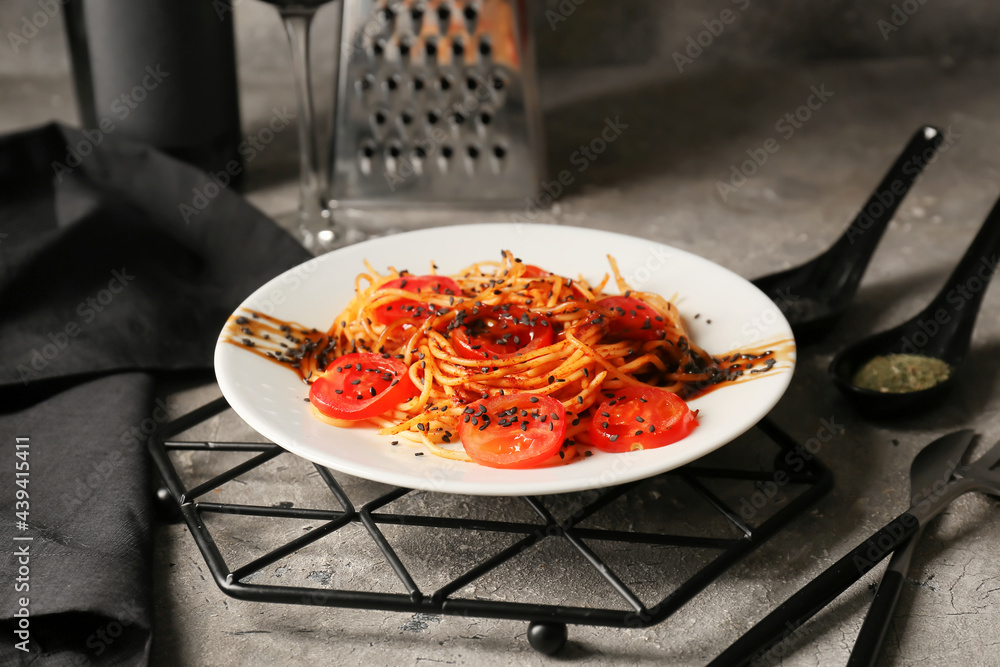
(311, 205)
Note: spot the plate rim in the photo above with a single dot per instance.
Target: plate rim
(422, 482)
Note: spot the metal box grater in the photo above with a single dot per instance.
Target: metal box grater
(437, 105)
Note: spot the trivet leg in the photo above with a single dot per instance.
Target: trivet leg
(547, 637)
(165, 506)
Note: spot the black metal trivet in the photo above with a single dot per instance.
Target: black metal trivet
(798, 486)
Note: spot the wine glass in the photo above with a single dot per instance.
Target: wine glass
(315, 222)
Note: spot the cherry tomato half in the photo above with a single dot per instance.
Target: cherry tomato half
(633, 318)
(641, 418)
(532, 271)
(392, 311)
(361, 385)
(501, 333)
(513, 431)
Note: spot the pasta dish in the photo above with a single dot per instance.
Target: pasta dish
(503, 363)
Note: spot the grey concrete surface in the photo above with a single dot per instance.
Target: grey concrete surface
(659, 181)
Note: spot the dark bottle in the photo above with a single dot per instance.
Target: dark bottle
(162, 72)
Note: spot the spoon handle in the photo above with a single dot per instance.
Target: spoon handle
(957, 304)
(847, 260)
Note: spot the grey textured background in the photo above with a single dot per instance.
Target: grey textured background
(596, 36)
(614, 58)
(633, 32)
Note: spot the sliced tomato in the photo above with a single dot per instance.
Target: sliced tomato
(532, 271)
(641, 418)
(501, 333)
(513, 431)
(361, 385)
(633, 318)
(394, 310)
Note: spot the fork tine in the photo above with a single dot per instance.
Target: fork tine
(989, 459)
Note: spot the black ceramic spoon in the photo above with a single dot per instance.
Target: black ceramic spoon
(812, 295)
(942, 330)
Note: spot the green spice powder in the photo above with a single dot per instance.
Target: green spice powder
(901, 373)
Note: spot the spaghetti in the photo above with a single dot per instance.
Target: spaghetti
(500, 328)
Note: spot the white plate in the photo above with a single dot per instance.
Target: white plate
(732, 313)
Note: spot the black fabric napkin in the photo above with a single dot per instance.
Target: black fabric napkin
(116, 262)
